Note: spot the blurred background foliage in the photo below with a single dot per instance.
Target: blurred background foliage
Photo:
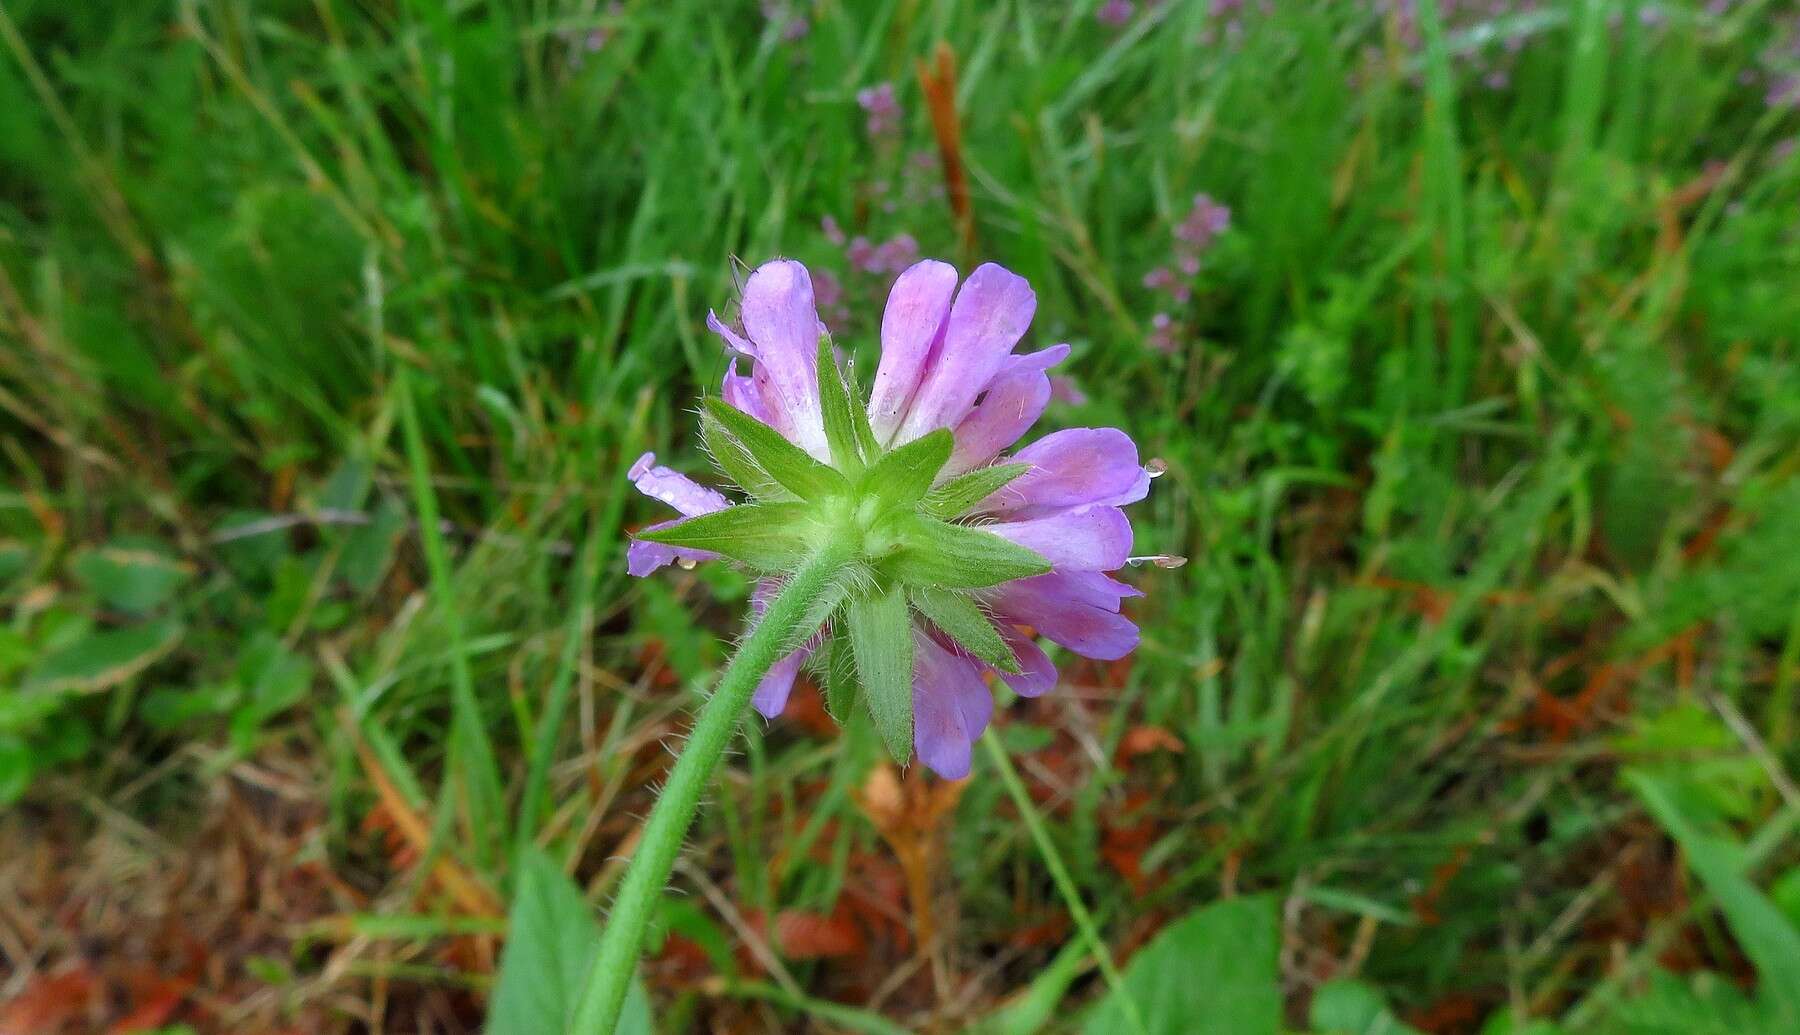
(1467, 331)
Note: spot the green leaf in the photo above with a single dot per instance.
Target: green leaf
(736, 463)
(131, 573)
(369, 549)
(766, 536)
(101, 660)
(785, 462)
(881, 639)
(551, 936)
(934, 554)
(963, 621)
(1350, 1007)
(838, 409)
(903, 476)
(865, 434)
(958, 494)
(1212, 972)
(1767, 937)
(839, 677)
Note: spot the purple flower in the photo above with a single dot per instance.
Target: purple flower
(1205, 221)
(1115, 12)
(1066, 390)
(948, 361)
(789, 24)
(882, 108)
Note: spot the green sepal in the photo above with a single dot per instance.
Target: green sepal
(958, 494)
(865, 433)
(937, 555)
(770, 537)
(735, 462)
(903, 476)
(880, 630)
(838, 408)
(837, 674)
(785, 462)
(963, 621)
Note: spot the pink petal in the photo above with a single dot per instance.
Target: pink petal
(779, 316)
(1081, 539)
(1078, 610)
(1071, 468)
(911, 326)
(674, 488)
(740, 392)
(951, 706)
(643, 556)
(1036, 674)
(772, 693)
(990, 315)
(730, 337)
(1011, 405)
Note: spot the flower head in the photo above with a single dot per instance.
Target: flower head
(957, 556)
(881, 106)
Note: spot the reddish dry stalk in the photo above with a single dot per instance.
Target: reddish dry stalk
(939, 83)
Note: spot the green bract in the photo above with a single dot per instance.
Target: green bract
(882, 508)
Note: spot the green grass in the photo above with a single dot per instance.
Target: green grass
(1489, 397)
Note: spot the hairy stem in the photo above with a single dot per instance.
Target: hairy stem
(781, 629)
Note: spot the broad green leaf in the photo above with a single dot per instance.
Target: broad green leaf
(1698, 1003)
(881, 639)
(766, 536)
(1767, 937)
(550, 937)
(105, 659)
(735, 462)
(785, 462)
(934, 554)
(369, 549)
(963, 621)
(132, 573)
(839, 678)
(1213, 972)
(1033, 1010)
(1350, 1007)
(958, 494)
(838, 409)
(903, 476)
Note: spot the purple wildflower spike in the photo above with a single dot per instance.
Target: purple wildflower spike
(963, 554)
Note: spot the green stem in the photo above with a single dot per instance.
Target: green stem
(781, 629)
(1084, 921)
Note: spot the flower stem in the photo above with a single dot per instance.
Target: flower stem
(780, 631)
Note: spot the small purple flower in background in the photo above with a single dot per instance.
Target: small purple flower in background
(964, 554)
(1065, 390)
(594, 40)
(1205, 221)
(1194, 236)
(789, 24)
(1115, 12)
(883, 111)
(1163, 334)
